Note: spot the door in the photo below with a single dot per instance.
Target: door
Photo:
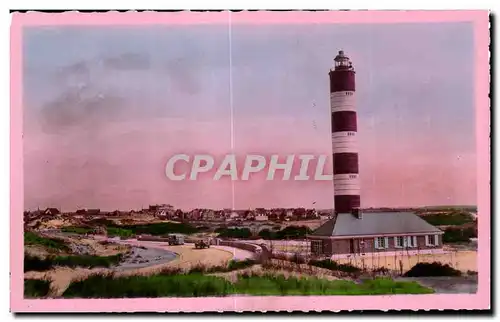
(352, 248)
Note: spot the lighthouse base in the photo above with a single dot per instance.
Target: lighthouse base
(345, 203)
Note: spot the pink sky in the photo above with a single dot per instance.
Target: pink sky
(104, 109)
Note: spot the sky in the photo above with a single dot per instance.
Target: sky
(105, 107)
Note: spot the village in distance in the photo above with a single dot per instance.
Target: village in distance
(92, 253)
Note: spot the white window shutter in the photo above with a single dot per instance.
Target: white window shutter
(396, 242)
(436, 240)
(414, 241)
(386, 242)
(376, 243)
(408, 241)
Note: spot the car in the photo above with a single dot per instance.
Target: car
(200, 244)
(175, 240)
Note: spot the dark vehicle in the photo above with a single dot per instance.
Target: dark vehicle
(175, 239)
(200, 244)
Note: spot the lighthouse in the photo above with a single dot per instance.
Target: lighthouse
(344, 135)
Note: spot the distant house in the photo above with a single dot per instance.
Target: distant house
(93, 212)
(115, 213)
(357, 233)
(261, 218)
(51, 211)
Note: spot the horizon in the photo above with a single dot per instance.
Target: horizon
(244, 209)
(105, 107)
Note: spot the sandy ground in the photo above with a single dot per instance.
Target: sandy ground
(187, 257)
(461, 260)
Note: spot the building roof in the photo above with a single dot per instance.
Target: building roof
(377, 223)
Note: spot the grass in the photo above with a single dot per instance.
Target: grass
(33, 263)
(77, 230)
(31, 238)
(107, 286)
(34, 288)
(196, 285)
(232, 265)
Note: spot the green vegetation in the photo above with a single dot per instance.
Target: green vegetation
(457, 235)
(233, 265)
(197, 285)
(33, 263)
(155, 229)
(455, 218)
(290, 232)
(234, 232)
(36, 288)
(451, 208)
(107, 286)
(432, 269)
(158, 229)
(334, 266)
(279, 285)
(31, 238)
(77, 230)
(119, 232)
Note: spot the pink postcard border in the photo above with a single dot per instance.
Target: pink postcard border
(480, 300)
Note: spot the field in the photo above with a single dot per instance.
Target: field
(196, 285)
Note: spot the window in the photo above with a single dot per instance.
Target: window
(431, 240)
(411, 241)
(316, 246)
(381, 242)
(399, 242)
(352, 176)
(351, 134)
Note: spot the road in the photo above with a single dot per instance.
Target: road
(188, 255)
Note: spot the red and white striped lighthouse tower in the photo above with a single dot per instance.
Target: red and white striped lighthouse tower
(344, 132)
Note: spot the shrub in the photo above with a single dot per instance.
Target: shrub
(158, 229)
(31, 238)
(235, 265)
(33, 263)
(267, 234)
(290, 232)
(77, 230)
(234, 232)
(119, 232)
(36, 288)
(432, 269)
(456, 218)
(454, 235)
(334, 266)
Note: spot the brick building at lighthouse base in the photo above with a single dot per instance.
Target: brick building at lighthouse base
(360, 233)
